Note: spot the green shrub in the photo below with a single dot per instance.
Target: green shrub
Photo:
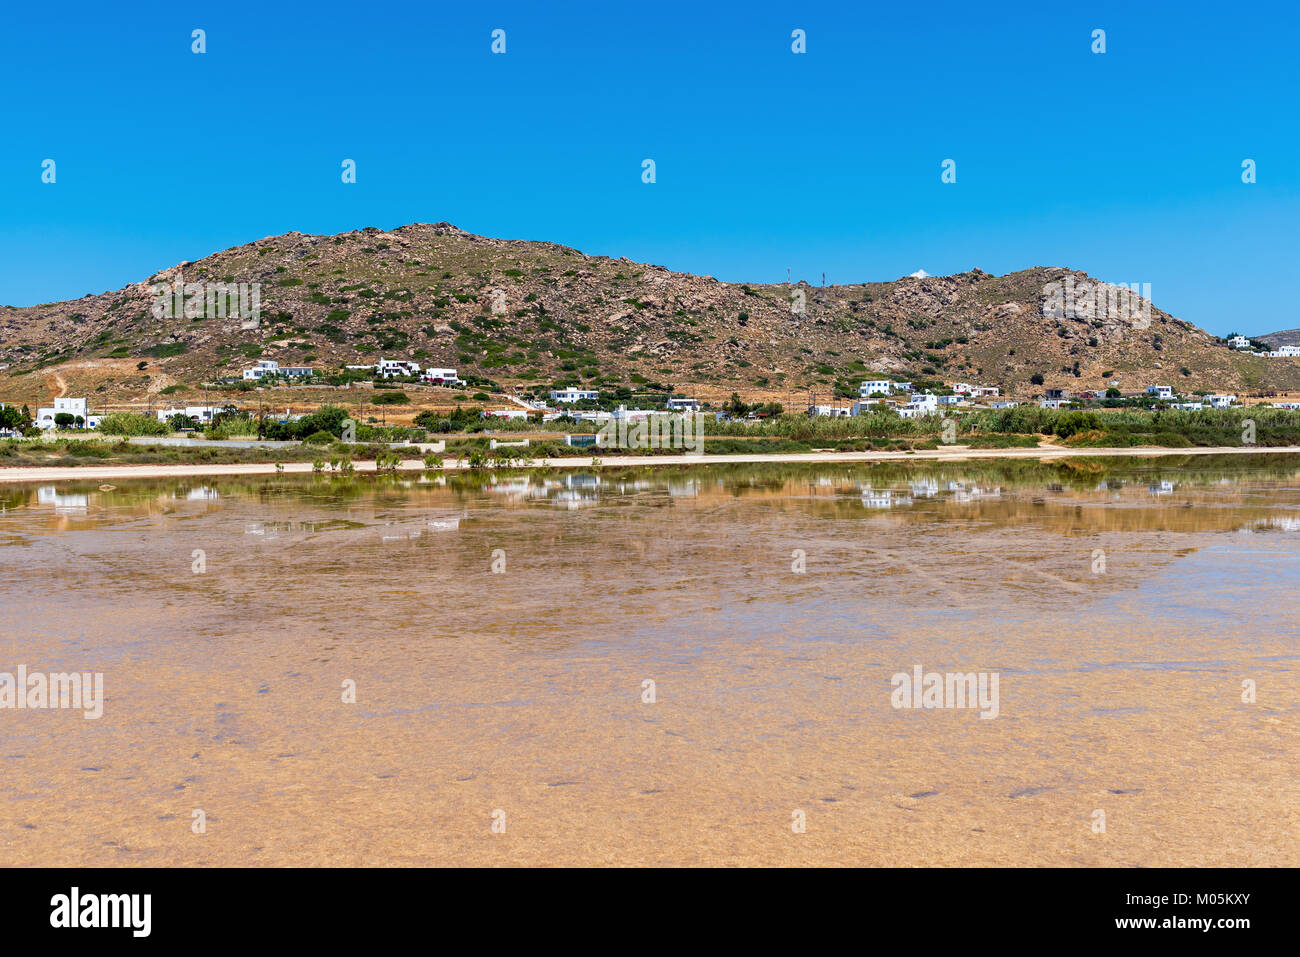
(132, 423)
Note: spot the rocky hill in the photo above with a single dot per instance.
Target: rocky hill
(525, 314)
(1287, 337)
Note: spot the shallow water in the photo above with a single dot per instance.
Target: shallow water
(1122, 605)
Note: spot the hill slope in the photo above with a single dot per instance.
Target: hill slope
(427, 292)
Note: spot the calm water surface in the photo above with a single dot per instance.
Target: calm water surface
(1122, 607)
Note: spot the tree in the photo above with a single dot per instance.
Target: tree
(734, 407)
(10, 418)
(1113, 393)
(1036, 378)
(64, 420)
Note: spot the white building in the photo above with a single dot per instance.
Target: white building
(874, 386)
(963, 388)
(1220, 401)
(1054, 403)
(920, 405)
(684, 405)
(265, 368)
(865, 406)
(951, 399)
(73, 407)
(440, 376)
(988, 391)
(387, 368)
(1285, 352)
(506, 414)
(572, 394)
(1161, 391)
(1239, 342)
(203, 414)
(833, 411)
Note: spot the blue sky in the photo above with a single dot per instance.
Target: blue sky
(1125, 164)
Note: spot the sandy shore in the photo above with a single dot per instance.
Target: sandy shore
(955, 453)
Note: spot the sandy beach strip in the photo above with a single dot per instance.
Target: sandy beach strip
(955, 453)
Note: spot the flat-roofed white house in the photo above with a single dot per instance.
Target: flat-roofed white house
(74, 407)
(440, 376)
(1161, 391)
(865, 406)
(988, 391)
(203, 414)
(833, 411)
(1054, 403)
(1283, 352)
(963, 388)
(1239, 342)
(1220, 401)
(265, 368)
(573, 395)
(919, 406)
(874, 386)
(684, 405)
(387, 368)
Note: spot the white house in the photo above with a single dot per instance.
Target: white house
(1239, 342)
(203, 414)
(1220, 401)
(865, 406)
(882, 386)
(1283, 352)
(684, 405)
(963, 388)
(572, 394)
(902, 387)
(920, 405)
(1003, 405)
(834, 411)
(73, 407)
(1161, 391)
(951, 399)
(265, 368)
(506, 414)
(990, 391)
(440, 376)
(387, 368)
(1190, 406)
(1054, 403)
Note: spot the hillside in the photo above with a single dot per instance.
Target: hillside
(1287, 337)
(427, 292)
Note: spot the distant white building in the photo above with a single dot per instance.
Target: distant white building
(833, 411)
(506, 414)
(73, 407)
(573, 395)
(270, 369)
(440, 376)
(1239, 342)
(203, 414)
(684, 405)
(387, 368)
(1220, 401)
(920, 405)
(963, 388)
(1054, 403)
(1162, 392)
(1283, 352)
(865, 406)
(874, 386)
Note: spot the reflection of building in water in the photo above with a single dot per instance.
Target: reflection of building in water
(1164, 488)
(687, 489)
(63, 504)
(883, 498)
(202, 494)
(925, 488)
(1282, 523)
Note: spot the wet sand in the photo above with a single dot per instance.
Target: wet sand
(955, 453)
(521, 691)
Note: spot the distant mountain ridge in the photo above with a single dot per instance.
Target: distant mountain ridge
(523, 313)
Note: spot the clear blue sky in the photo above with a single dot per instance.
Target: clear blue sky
(1125, 164)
